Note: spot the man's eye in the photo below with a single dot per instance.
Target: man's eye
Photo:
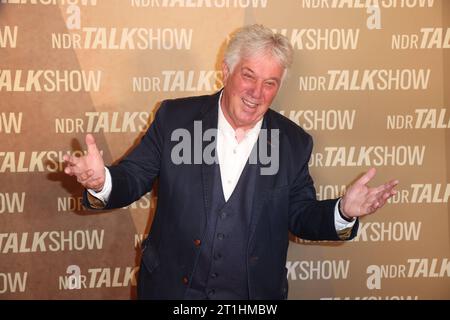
(248, 76)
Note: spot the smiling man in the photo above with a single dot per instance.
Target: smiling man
(221, 229)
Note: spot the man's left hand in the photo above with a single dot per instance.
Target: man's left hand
(360, 200)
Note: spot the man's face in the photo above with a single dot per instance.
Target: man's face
(250, 89)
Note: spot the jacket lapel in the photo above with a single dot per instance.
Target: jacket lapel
(263, 183)
(209, 119)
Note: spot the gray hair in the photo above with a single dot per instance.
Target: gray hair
(257, 39)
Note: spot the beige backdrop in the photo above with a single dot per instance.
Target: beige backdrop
(370, 82)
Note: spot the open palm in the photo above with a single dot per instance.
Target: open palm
(360, 200)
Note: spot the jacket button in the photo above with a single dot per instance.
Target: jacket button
(197, 242)
(185, 280)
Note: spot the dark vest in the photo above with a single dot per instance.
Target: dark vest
(221, 270)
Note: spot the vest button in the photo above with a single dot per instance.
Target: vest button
(217, 256)
(211, 292)
(197, 242)
(223, 215)
(214, 275)
(185, 280)
(220, 236)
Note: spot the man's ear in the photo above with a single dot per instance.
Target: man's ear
(225, 72)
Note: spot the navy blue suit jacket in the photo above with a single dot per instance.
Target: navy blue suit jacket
(282, 202)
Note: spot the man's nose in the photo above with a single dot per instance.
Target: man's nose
(257, 90)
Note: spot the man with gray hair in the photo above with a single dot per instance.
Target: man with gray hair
(220, 230)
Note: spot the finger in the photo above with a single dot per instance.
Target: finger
(385, 197)
(392, 184)
(71, 160)
(372, 201)
(389, 194)
(69, 171)
(366, 177)
(380, 198)
(91, 145)
(385, 188)
(76, 170)
(375, 201)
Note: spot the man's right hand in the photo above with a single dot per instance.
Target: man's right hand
(88, 169)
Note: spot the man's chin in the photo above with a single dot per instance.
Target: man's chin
(247, 123)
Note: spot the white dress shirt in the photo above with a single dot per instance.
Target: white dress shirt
(233, 155)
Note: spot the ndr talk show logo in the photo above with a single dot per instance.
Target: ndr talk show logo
(414, 268)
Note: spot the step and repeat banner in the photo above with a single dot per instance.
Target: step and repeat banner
(370, 82)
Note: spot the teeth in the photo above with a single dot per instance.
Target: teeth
(248, 103)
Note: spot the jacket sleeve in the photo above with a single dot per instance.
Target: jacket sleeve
(134, 175)
(309, 218)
